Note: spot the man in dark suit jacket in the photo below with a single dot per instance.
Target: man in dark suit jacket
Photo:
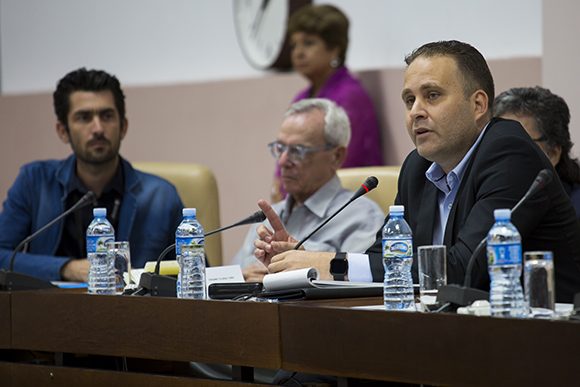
(499, 172)
(465, 165)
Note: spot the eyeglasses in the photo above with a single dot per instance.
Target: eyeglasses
(295, 152)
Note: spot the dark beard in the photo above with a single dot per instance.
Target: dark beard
(100, 159)
(93, 158)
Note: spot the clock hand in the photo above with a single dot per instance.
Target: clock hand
(259, 15)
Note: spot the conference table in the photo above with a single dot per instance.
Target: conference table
(5, 321)
(327, 337)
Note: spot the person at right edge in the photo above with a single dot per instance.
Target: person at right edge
(465, 165)
(545, 116)
(318, 42)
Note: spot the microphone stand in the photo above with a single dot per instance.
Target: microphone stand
(164, 286)
(11, 280)
(454, 295)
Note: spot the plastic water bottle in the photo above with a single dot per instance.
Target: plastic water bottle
(397, 260)
(191, 260)
(504, 254)
(102, 265)
(193, 271)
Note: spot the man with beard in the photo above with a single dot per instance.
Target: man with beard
(144, 209)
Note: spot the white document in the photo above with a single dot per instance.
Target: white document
(293, 279)
(307, 278)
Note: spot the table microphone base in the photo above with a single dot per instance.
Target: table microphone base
(460, 295)
(12, 281)
(157, 285)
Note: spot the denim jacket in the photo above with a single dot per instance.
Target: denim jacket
(149, 214)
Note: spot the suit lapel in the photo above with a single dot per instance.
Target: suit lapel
(427, 214)
(449, 235)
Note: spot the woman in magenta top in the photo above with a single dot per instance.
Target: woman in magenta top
(319, 41)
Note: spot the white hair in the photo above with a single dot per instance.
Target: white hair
(336, 122)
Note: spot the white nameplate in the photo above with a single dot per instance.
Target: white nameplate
(231, 273)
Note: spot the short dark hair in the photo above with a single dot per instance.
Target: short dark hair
(86, 80)
(326, 21)
(552, 117)
(470, 63)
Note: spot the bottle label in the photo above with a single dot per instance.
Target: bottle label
(98, 243)
(397, 248)
(198, 241)
(504, 254)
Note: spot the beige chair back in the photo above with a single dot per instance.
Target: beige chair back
(197, 188)
(384, 194)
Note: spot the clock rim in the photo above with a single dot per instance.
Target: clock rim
(282, 61)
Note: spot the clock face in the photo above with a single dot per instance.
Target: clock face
(261, 30)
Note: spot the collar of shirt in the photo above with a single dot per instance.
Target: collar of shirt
(318, 203)
(116, 184)
(72, 240)
(448, 185)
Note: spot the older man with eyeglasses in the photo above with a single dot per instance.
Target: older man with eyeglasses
(310, 147)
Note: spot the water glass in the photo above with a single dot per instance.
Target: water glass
(121, 254)
(539, 283)
(432, 272)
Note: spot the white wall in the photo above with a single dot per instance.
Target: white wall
(561, 60)
(148, 42)
(383, 31)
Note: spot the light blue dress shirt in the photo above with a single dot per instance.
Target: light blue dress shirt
(448, 185)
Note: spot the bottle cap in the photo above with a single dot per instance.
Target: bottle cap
(100, 212)
(188, 212)
(502, 213)
(396, 209)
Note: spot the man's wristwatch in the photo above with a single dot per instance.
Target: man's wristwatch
(339, 266)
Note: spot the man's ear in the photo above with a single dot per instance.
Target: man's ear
(62, 132)
(480, 104)
(339, 156)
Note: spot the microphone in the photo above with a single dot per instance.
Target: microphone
(256, 217)
(465, 295)
(10, 280)
(369, 184)
(164, 286)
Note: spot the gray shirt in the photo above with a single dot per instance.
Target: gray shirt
(353, 230)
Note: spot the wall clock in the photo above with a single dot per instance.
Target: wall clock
(261, 27)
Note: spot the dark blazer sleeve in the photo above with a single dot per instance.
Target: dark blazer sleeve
(375, 252)
(409, 194)
(29, 205)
